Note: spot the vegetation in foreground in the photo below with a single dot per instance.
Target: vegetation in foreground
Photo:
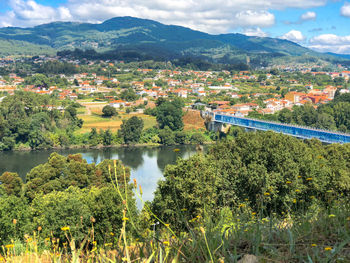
(266, 194)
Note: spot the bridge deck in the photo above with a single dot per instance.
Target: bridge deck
(294, 130)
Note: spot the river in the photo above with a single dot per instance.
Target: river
(147, 163)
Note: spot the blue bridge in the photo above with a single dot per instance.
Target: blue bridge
(293, 130)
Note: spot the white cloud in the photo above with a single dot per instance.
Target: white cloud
(345, 9)
(294, 35)
(257, 32)
(214, 16)
(308, 16)
(330, 43)
(254, 18)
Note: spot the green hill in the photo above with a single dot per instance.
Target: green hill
(147, 36)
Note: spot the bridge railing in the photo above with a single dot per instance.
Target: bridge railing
(294, 130)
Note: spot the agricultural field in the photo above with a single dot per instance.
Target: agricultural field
(92, 117)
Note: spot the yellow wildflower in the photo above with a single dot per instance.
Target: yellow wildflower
(313, 245)
(65, 228)
(253, 213)
(125, 219)
(328, 248)
(166, 243)
(167, 225)
(331, 215)
(294, 201)
(112, 234)
(9, 246)
(297, 191)
(288, 182)
(266, 193)
(309, 179)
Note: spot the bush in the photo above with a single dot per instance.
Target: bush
(197, 138)
(109, 111)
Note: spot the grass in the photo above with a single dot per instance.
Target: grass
(317, 235)
(97, 121)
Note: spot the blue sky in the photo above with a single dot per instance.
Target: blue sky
(322, 25)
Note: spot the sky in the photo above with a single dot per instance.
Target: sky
(323, 25)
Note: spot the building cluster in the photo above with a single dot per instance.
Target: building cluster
(237, 93)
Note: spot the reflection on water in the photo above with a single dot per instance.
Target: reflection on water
(147, 163)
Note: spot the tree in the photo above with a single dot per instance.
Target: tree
(109, 111)
(131, 130)
(166, 136)
(107, 137)
(11, 183)
(94, 138)
(170, 114)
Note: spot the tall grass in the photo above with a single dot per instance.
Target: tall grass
(317, 235)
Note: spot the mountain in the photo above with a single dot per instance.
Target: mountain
(154, 39)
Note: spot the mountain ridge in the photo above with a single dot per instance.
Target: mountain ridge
(134, 33)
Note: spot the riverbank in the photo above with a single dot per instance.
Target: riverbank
(22, 148)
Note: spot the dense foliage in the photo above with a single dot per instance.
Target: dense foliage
(64, 191)
(169, 114)
(263, 171)
(29, 118)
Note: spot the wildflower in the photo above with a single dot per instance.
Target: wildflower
(140, 189)
(288, 182)
(166, 243)
(313, 245)
(65, 228)
(112, 234)
(328, 248)
(94, 243)
(125, 219)
(299, 176)
(9, 246)
(47, 239)
(266, 193)
(135, 183)
(39, 228)
(202, 230)
(309, 179)
(173, 237)
(14, 221)
(167, 225)
(294, 201)
(92, 219)
(124, 259)
(241, 205)
(331, 215)
(297, 191)
(253, 213)
(176, 150)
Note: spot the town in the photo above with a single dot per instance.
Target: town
(133, 89)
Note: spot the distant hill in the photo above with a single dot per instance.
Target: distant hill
(153, 39)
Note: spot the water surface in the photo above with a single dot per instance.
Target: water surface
(147, 163)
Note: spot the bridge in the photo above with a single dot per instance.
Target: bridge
(293, 130)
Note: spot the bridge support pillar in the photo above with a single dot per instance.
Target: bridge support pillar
(215, 126)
